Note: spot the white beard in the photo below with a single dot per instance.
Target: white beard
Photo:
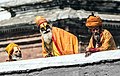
(16, 58)
(47, 37)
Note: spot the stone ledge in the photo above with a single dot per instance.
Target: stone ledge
(67, 60)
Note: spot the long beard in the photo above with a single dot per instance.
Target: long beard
(16, 57)
(97, 37)
(47, 37)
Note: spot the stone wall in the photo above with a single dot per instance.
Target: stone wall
(65, 14)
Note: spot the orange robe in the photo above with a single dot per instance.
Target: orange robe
(63, 43)
(107, 41)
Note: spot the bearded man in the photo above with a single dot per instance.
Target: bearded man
(14, 52)
(101, 39)
(56, 41)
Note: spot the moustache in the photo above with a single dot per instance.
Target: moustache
(97, 33)
(18, 55)
(46, 32)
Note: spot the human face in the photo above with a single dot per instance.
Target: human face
(45, 28)
(16, 53)
(46, 32)
(95, 30)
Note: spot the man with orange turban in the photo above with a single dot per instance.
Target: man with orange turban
(101, 39)
(56, 41)
(14, 52)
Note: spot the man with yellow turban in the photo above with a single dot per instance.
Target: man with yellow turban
(101, 39)
(56, 41)
(14, 52)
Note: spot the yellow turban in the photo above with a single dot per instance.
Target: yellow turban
(39, 20)
(94, 21)
(10, 47)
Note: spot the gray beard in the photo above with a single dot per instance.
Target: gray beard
(47, 37)
(97, 38)
(16, 57)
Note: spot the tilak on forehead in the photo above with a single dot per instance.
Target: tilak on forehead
(43, 25)
(16, 48)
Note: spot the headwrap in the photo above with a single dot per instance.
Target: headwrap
(93, 21)
(39, 20)
(10, 47)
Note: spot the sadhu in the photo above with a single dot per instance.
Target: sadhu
(14, 52)
(101, 39)
(56, 41)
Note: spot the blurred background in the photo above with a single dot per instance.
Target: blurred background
(17, 21)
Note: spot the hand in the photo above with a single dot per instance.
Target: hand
(87, 53)
(92, 49)
(49, 55)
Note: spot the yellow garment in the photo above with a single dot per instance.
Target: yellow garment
(67, 43)
(55, 51)
(107, 42)
(10, 47)
(94, 21)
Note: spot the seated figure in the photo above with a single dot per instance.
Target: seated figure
(56, 41)
(14, 52)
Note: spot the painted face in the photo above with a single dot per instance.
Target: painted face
(46, 32)
(45, 28)
(16, 53)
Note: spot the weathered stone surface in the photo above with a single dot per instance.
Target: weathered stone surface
(108, 69)
(22, 2)
(55, 14)
(103, 69)
(100, 64)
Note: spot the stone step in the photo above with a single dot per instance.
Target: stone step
(20, 37)
(23, 42)
(2, 49)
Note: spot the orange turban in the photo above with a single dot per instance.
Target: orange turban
(39, 20)
(94, 21)
(10, 47)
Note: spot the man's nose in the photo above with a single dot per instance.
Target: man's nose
(19, 52)
(96, 31)
(45, 28)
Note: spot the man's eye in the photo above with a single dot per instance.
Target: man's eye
(42, 29)
(16, 51)
(47, 26)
